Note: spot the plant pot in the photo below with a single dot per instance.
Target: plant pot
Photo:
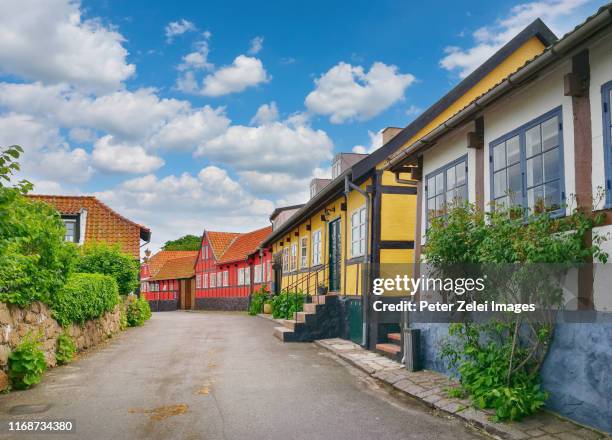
(267, 309)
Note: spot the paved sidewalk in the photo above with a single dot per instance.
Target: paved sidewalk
(431, 388)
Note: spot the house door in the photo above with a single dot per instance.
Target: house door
(334, 255)
(277, 267)
(186, 295)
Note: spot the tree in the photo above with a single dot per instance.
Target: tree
(185, 243)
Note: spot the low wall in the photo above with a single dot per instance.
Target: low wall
(165, 305)
(16, 323)
(240, 303)
(577, 371)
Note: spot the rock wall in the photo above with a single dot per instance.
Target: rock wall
(35, 319)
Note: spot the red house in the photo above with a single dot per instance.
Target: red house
(230, 266)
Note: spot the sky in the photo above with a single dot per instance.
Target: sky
(193, 115)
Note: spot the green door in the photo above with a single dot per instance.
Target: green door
(334, 255)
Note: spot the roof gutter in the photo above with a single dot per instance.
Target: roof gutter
(553, 53)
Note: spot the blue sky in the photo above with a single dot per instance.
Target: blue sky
(188, 115)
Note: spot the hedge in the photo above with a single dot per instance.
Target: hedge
(108, 259)
(85, 296)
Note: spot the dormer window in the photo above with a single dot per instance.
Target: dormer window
(313, 189)
(337, 167)
(71, 223)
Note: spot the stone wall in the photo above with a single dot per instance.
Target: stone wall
(234, 303)
(36, 319)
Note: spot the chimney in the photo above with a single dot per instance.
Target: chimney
(389, 133)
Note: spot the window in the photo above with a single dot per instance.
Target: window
(293, 257)
(257, 273)
(204, 281)
(313, 189)
(527, 167)
(247, 276)
(445, 187)
(285, 259)
(198, 281)
(164, 286)
(71, 233)
(337, 168)
(241, 276)
(606, 96)
(316, 247)
(205, 252)
(213, 280)
(269, 277)
(225, 278)
(358, 232)
(304, 252)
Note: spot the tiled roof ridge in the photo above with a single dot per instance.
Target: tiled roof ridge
(95, 199)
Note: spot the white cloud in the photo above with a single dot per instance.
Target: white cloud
(275, 147)
(48, 41)
(198, 59)
(109, 155)
(256, 45)
(175, 28)
(266, 114)
(211, 199)
(376, 141)
(185, 132)
(244, 72)
(278, 184)
(560, 15)
(79, 134)
(347, 92)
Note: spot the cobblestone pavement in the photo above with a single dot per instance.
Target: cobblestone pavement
(431, 388)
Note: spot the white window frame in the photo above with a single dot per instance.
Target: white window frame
(225, 278)
(241, 276)
(257, 274)
(205, 252)
(247, 276)
(303, 252)
(198, 281)
(213, 279)
(293, 260)
(285, 259)
(204, 281)
(316, 248)
(337, 168)
(358, 232)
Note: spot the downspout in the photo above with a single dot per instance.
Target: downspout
(348, 186)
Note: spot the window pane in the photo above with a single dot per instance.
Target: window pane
(552, 195)
(362, 215)
(513, 150)
(550, 133)
(551, 165)
(499, 184)
(460, 173)
(534, 171)
(515, 183)
(450, 197)
(431, 207)
(431, 186)
(532, 141)
(450, 178)
(462, 194)
(535, 198)
(499, 157)
(439, 205)
(439, 183)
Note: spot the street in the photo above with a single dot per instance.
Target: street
(217, 375)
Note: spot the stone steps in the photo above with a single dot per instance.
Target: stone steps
(392, 348)
(314, 322)
(395, 337)
(388, 349)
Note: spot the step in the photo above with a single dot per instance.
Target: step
(284, 334)
(302, 316)
(394, 337)
(292, 324)
(310, 308)
(389, 349)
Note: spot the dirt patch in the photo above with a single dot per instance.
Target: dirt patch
(162, 412)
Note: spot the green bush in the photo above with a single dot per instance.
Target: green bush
(259, 298)
(34, 259)
(286, 304)
(137, 311)
(84, 296)
(109, 260)
(65, 349)
(26, 364)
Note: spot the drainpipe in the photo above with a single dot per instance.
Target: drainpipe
(348, 186)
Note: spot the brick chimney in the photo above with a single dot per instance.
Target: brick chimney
(389, 133)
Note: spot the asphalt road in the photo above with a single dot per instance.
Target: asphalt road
(218, 376)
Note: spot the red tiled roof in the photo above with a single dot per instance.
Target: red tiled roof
(220, 241)
(244, 245)
(177, 268)
(157, 261)
(103, 223)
